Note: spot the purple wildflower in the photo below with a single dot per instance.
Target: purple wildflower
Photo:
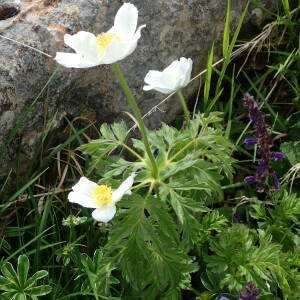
(250, 142)
(278, 156)
(276, 181)
(264, 145)
(250, 292)
(238, 218)
(224, 298)
(250, 178)
(262, 168)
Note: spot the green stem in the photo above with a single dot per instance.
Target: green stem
(139, 185)
(183, 104)
(132, 151)
(137, 115)
(182, 149)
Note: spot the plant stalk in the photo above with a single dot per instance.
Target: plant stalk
(138, 116)
(183, 104)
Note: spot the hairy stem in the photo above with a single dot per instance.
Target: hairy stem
(138, 116)
(183, 104)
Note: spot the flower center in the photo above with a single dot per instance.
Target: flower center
(104, 39)
(102, 194)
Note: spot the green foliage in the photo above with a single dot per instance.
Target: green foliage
(151, 237)
(241, 255)
(97, 274)
(144, 243)
(292, 151)
(17, 285)
(175, 237)
(281, 219)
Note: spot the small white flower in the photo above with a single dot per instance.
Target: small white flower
(176, 76)
(106, 48)
(101, 197)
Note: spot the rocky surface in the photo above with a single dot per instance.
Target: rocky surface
(175, 28)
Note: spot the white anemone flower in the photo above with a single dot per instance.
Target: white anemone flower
(105, 48)
(101, 197)
(175, 77)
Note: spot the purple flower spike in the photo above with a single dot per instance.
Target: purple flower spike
(250, 142)
(224, 298)
(250, 178)
(276, 181)
(278, 156)
(250, 292)
(264, 145)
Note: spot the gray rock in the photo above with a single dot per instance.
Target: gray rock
(175, 28)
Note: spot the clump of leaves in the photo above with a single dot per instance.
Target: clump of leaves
(17, 285)
(281, 218)
(96, 274)
(241, 255)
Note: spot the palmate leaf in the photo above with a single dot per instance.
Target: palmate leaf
(159, 213)
(114, 132)
(144, 242)
(187, 209)
(16, 283)
(111, 136)
(168, 134)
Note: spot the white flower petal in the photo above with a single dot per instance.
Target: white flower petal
(125, 21)
(153, 77)
(119, 50)
(85, 44)
(114, 52)
(158, 81)
(173, 68)
(82, 200)
(123, 188)
(73, 60)
(161, 90)
(186, 66)
(84, 186)
(105, 213)
(131, 45)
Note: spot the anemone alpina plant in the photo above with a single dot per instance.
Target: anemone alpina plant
(105, 48)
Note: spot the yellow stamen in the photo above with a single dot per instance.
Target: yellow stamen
(104, 39)
(102, 194)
